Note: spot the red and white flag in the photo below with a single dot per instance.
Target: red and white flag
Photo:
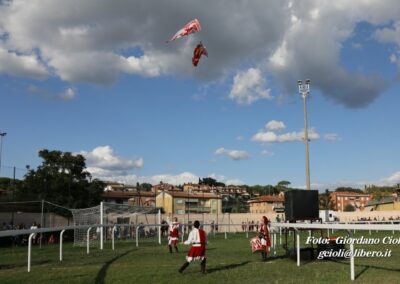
(192, 27)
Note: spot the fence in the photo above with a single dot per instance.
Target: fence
(275, 228)
(337, 226)
(112, 229)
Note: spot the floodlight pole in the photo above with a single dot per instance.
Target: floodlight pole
(304, 90)
(2, 134)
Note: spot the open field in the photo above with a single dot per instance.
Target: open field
(229, 261)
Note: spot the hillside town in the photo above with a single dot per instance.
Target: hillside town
(203, 198)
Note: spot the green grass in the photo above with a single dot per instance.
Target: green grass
(228, 261)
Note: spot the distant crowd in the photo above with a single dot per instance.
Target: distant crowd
(383, 219)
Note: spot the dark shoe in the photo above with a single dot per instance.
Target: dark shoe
(203, 266)
(176, 248)
(170, 249)
(186, 264)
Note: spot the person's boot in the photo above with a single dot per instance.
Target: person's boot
(170, 249)
(176, 248)
(262, 255)
(203, 266)
(265, 256)
(186, 264)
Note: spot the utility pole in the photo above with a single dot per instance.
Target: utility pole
(2, 134)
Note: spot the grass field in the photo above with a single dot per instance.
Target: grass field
(228, 261)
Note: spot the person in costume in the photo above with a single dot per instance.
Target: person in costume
(263, 235)
(198, 239)
(173, 235)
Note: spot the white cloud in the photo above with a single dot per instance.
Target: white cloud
(178, 179)
(96, 41)
(68, 94)
(311, 48)
(21, 65)
(224, 179)
(267, 153)
(392, 179)
(393, 58)
(102, 160)
(269, 136)
(275, 125)
(233, 154)
(331, 137)
(126, 178)
(248, 87)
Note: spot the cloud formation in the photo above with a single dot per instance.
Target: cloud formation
(68, 94)
(233, 154)
(272, 137)
(102, 161)
(98, 40)
(226, 180)
(267, 153)
(331, 137)
(248, 87)
(275, 125)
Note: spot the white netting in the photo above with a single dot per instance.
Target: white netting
(112, 214)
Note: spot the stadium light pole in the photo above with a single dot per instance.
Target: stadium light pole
(304, 90)
(2, 134)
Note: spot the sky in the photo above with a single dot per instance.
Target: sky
(97, 78)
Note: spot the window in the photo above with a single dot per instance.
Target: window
(179, 201)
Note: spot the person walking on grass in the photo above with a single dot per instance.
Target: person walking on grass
(263, 235)
(197, 238)
(173, 234)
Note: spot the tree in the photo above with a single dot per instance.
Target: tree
(348, 189)
(349, 208)
(324, 201)
(62, 179)
(283, 183)
(146, 186)
(212, 182)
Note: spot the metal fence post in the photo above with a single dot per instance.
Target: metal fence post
(61, 244)
(88, 240)
(101, 223)
(352, 261)
(112, 236)
(159, 226)
(29, 250)
(298, 246)
(137, 236)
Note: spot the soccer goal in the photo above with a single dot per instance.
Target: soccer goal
(110, 214)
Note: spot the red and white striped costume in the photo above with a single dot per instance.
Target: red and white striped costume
(173, 233)
(197, 238)
(263, 234)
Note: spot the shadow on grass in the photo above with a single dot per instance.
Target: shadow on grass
(275, 257)
(227, 267)
(366, 267)
(103, 271)
(12, 266)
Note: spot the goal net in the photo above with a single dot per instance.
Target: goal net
(112, 214)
